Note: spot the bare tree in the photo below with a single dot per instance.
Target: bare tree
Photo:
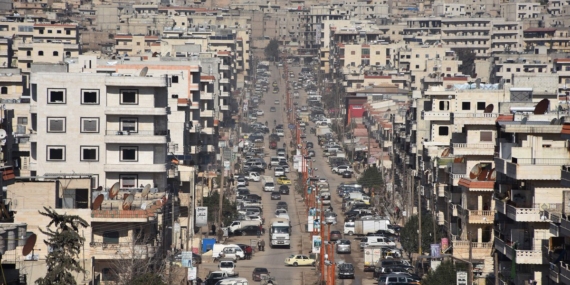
(386, 204)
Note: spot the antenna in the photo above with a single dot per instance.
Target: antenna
(29, 246)
(145, 191)
(97, 203)
(555, 121)
(144, 71)
(541, 107)
(489, 109)
(128, 202)
(114, 190)
(475, 171)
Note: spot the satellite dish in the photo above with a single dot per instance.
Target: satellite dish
(489, 109)
(483, 175)
(2, 134)
(30, 243)
(541, 107)
(544, 207)
(445, 152)
(100, 188)
(143, 206)
(145, 191)
(114, 190)
(523, 121)
(97, 203)
(492, 175)
(128, 202)
(475, 171)
(554, 122)
(144, 71)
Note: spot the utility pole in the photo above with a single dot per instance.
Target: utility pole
(393, 119)
(220, 205)
(419, 222)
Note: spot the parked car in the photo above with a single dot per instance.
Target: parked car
(272, 109)
(342, 168)
(347, 174)
(343, 246)
(282, 205)
(275, 196)
(345, 270)
(248, 231)
(335, 235)
(241, 181)
(284, 189)
(299, 259)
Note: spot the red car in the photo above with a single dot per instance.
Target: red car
(258, 272)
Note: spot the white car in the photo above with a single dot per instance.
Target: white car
(280, 64)
(286, 168)
(277, 102)
(279, 171)
(280, 133)
(296, 94)
(281, 213)
(274, 161)
(341, 169)
(260, 113)
(241, 181)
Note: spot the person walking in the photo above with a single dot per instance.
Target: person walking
(259, 245)
(213, 229)
(262, 245)
(248, 251)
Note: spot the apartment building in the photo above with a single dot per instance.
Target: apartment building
(129, 45)
(519, 11)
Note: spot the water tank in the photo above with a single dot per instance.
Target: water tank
(22, 228)
(12, 237)
(3, 237)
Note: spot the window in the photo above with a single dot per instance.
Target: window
(129, 153)
(55, 153)
(128, 180)
(89, 153)
(68, 32)
(22, 120)
(41, 31)
(508, 69)
(4, 90)
(486, 136)
(56, 125)
(443, 131)
(129, 125)
(90, 96)
(353, 52)
(107, 274)
(29, 53)
(50, 32)
(111, 237)
(174, 78)
(41, 53)
(56, 96)
(480, 106)
(89, 125)
(448, 68)
(466, 106)
(59, 31)
(417, 66)
(55, 53)
(443, 105)
(417, 55)
(129, 97)
(377, 52)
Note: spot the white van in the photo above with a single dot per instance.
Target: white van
(233, 281)
(231, 251)
(227, 265)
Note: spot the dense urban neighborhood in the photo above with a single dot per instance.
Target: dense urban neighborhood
(296, 142)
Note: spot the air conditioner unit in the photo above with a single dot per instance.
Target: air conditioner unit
(422, 188)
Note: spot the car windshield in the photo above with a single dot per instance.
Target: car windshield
(261, 270)
(270, 184)
(280, 230)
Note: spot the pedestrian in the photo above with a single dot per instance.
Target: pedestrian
(258, 245)
(213, 229)
(262, 245)
(248, 251)
(199, 281)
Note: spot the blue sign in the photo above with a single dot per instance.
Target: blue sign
(310, 189)
(291, 126)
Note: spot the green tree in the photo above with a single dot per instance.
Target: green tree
(147, 279)
(371, 178)
(446, 273)
(272, 50)
(467, 58)
(66, 244)
(229, 211)
(409, 234)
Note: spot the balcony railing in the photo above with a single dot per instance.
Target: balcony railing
(541, 161)
(137, 133)
(122, 250)
(481, 216)
(465, 244)
(523, 256)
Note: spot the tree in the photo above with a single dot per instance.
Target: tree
(467, 58)
(66, 244)
(371, 178)
(446, 273)
(229, 211)
(409, 234)
(147, 279)
(272, 50)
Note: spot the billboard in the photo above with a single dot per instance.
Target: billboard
(317, 244)
(187, 259)
(201, 216)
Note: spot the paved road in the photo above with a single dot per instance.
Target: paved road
(273, 259)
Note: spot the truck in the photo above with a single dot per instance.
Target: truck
(236, 225)
(357, 196)
(371, 256)
(365, 226)
(323, 130)
(280, 233)
(267, 183)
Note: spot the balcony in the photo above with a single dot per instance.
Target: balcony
(479, 250)
(483, 119)
(207, 113)
(436, 116)
(139, 137)
(456, 177)
(206, 96)
(473, 149)
(224, 94)
(195, 106)
(136, 81)
(112, 216)
(523, 256)
(130, 168)
(564, 273)
(481, 216)
(535, 168)
(521, 214)
(441, 190)
(224, 67)
(208, 130)
(224, 107)
(564, 227)
(224, 81)
(565, 176)
(133, 110)
(122, 250)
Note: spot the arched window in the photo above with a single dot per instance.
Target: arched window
(67, 54)
(29, 53)
(55, 53)
(4, 90)
(41, 53)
